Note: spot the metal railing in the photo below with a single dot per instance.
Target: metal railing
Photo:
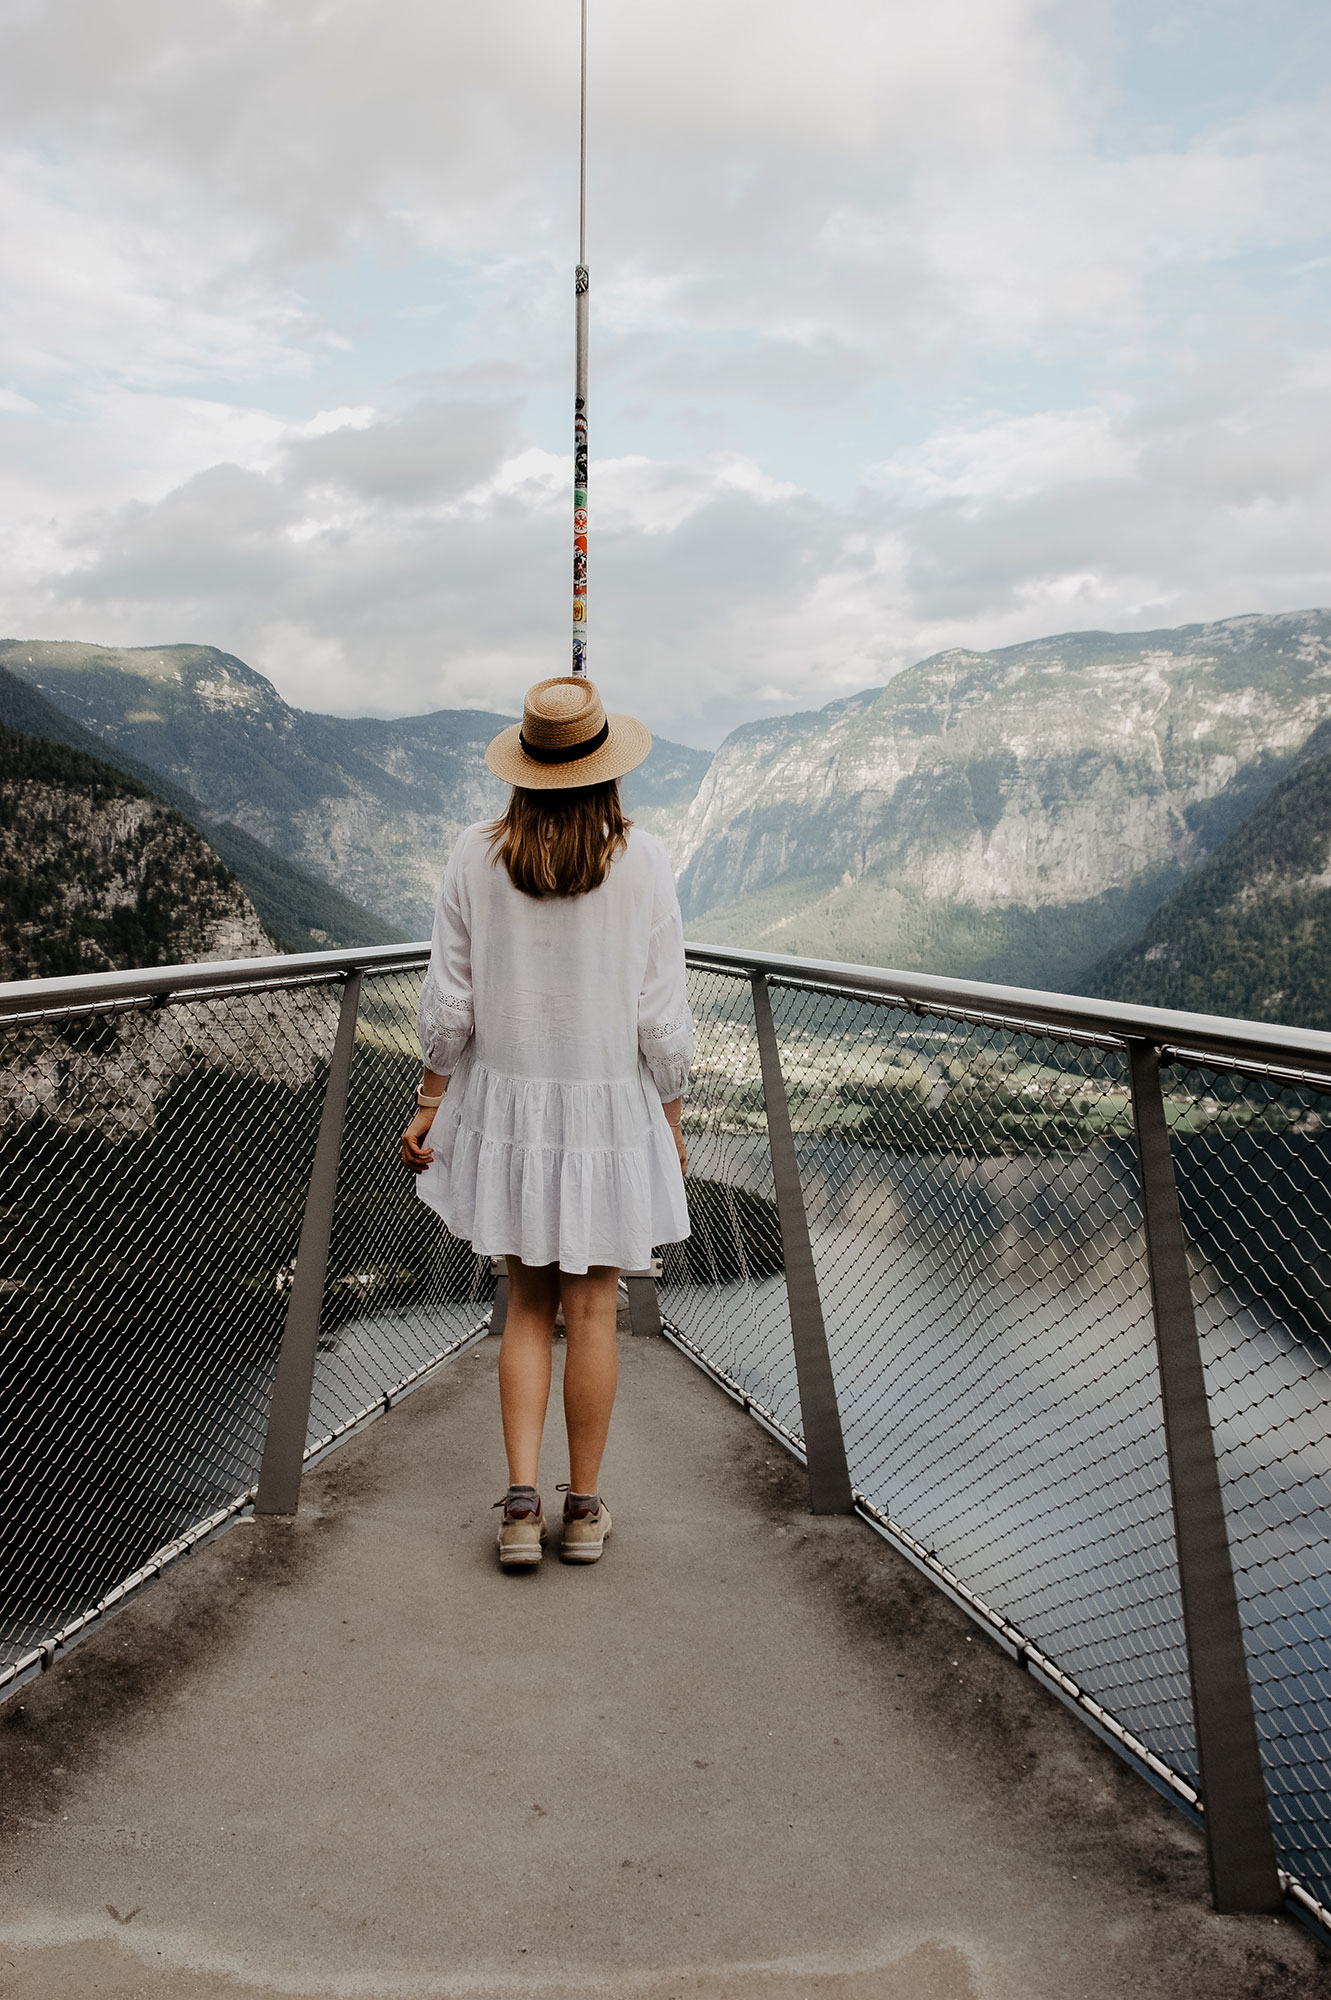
(213, 1264)
(1040, 1286)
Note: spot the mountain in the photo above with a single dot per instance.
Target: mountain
(96, 873)
(658, 794)
(1249, 932)
(301, 911)
(1010, 815)
(1014, 815)
(373, 806)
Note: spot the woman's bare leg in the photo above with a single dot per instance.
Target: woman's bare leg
(524, 1364)
(591, 1368)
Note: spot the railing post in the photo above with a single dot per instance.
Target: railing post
(499, 1310)
(824, 1446)
(289, 1415)
(1239, 1843)
(644, 1306)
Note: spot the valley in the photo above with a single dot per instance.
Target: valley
(1018, 816)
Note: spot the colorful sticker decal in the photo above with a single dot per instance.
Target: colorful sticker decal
(580, 536)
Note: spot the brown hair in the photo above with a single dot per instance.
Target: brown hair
(560, 843)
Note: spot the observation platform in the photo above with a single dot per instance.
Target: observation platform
(751, 1753)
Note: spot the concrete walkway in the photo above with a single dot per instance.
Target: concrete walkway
(749, 1754)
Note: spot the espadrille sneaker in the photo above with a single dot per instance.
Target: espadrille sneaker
(522, 1529)
(585, 1528)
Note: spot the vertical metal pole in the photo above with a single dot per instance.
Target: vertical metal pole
(581, 301)
(644, 1306)
(582, 139)
(1239, 1844)
(824, 1446)
(289, 1416)
(499, 1310)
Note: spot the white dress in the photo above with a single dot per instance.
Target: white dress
(563, 1024)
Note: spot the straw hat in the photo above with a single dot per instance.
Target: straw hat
(565, 738)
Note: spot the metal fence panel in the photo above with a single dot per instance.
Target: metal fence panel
(400, 1292)
(154, 1161)
(974, 1201)
(724, 1289)
(153, 1164)
(1252, 1157)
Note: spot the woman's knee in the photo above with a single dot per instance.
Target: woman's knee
(533, 1288)
(589, 1296)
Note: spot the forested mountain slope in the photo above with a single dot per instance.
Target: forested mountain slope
(371, 805)
(1007, 815)
(1249, 933)
(97, 874)
(301, 911)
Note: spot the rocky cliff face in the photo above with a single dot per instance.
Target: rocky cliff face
(1005, 815)
(369, 805)
(301, 911)
(96, 874)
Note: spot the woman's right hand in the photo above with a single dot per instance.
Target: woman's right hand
(678, 1137)
(415, 1154)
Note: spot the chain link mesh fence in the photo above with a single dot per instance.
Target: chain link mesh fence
(724, 1288)
(975, 1213)
(154, 1162)
(153, 1165)
(1252, 1158)
(974, 1205)
(400, 1293)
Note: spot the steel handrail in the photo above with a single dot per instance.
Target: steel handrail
(1306, 1050)
(164, 982)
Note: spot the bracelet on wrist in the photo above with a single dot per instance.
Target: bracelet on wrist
(429, 1103)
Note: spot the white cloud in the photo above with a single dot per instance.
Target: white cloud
(101, 286)
(909, 330)
(363, 572)
(1010, 458)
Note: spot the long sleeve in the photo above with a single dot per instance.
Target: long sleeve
(445, 1017)
(665, 1025)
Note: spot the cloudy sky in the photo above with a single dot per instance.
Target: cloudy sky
(913, 326)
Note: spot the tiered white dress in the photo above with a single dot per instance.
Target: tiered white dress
(563, 1024)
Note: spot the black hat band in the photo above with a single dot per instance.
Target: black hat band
(566, 753)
